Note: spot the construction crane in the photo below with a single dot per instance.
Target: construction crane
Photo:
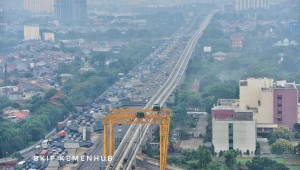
(158, 116)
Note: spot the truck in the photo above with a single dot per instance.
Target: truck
(45, 144)
(62, 133)
(44, 153)
(37, 149)
(21, 165)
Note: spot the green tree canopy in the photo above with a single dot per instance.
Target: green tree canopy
(230, 158)
(282, 146)
(280, 132)
(258, 163)
(204, 158)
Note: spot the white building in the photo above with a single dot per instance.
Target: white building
(32, 32)
(49, 36)
(241, 5)
(233, 130)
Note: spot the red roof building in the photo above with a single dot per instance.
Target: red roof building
(237, 41)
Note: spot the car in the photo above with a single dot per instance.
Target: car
(59, 150)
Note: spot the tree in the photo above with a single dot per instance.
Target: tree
(297, 126)
(204, 158)
(213, 166)
(183, 134)
(220, 153)
(50, 93)
(230, 158)
(282, 146)
(190, 154)
(247, 152)
(17, 155)
(297, 150)
(297, 135)
(257, 150)
(192, 165)
(280, 132)
(258, 163)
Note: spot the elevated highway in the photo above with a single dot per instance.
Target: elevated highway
(124, 156)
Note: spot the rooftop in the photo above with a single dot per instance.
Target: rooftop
(243, 116)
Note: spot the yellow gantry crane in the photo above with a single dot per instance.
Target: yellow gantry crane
(157, 115)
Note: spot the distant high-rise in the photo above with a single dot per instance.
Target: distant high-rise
(241, 5)
(70, 11)
(31, 32)
(38, 6)
(10, 5)
(1, 14)
(79, 10)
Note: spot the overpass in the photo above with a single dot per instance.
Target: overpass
(125, 154)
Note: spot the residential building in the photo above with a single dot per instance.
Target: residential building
(70, 11)
(15, 115)
(49, 36)
(237, 41)
(38, 6)
(233, 130)
(31, 32)
(219, 56)
(241, 5)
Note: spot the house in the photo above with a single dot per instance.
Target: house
(219, 56)
(14, 114)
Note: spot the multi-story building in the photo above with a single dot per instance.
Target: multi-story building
(49, 36)
(79, 10)
(70, 11)
(38, 6)
(237, 41)
(275, 103)
(271, 104)
(32, 32)
(241, 5)
(10, 5)
(233, 130)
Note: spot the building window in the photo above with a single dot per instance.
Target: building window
(279, 119)
(230, 135)
(279, 97)
(279, 101)
(279, 108)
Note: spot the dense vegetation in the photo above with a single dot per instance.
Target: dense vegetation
(258, 57)
(45, 112)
